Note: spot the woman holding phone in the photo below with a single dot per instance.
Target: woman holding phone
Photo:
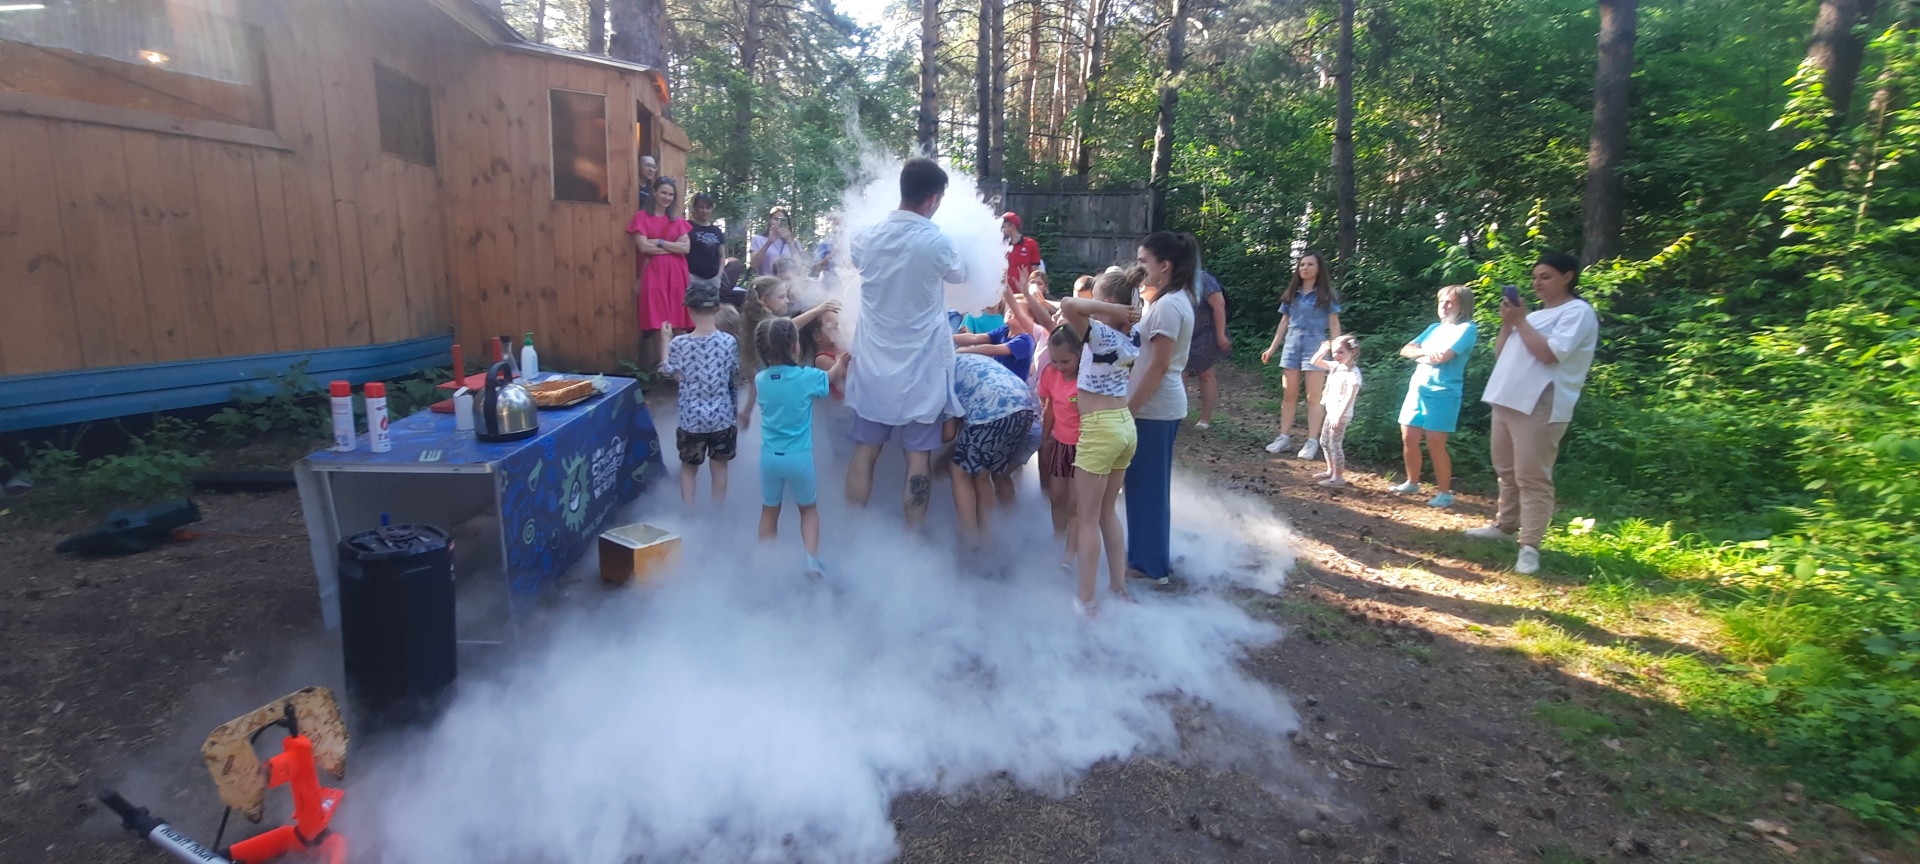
(1543, 358)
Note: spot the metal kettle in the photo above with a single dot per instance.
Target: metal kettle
(504, 410)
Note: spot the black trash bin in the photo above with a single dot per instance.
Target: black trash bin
(396, 624)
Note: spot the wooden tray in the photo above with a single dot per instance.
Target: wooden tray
(562, 393)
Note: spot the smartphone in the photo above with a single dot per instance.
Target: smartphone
(1512, 294)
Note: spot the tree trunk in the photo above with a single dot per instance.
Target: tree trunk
(929, 77)
(1836, 50)
(1090, 72)
(640, 32)
(1163, 131)
(540, 21)
(982, 95)
(596, 26)
(997, 91)
(1884, 96)
(1608, 144)
(1058, 99)
(1029, 86)
(739, 165)
(1348, 231)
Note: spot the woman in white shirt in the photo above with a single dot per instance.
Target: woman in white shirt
(1543, 358)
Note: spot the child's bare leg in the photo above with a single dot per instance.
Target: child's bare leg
(1059, 498)
(810, 528)
(1114, 534)
(769, 522)
(1316, 412)
(719, 469)
(965, 508)
(689, 476)
(1289, 399)
(666, 336)
(1089, 487)
(1002, 485)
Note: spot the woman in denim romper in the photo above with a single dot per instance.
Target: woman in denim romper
(1309, 316)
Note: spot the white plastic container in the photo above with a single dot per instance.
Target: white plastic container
(463, 410)
(341, 394)
(529, 360)
(378, 439)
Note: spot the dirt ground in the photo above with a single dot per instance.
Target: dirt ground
(1425, 737)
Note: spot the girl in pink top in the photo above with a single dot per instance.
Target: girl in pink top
(660, 239)
(1059, 393)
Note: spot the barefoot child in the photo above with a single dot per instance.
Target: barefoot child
(1060, 430)
(705, 362)
(786, 392)
(1107, 434)
(999, 410)
(1340, 359)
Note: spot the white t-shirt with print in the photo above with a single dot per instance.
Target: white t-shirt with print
(1573, 332)
(1106, 361)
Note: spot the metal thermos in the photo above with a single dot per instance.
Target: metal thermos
(396, 623)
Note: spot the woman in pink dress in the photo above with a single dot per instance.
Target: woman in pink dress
(660, 241)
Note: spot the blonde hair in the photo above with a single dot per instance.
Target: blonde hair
(754, 312)
(1119, 286)
(1347, 341)
(1462, 302)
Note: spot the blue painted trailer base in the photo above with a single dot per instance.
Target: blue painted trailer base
(56, 398)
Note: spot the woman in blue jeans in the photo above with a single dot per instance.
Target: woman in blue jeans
(1157, 398)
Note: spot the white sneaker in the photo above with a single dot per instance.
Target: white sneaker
(1489, 532)
(1280, 444)
(1311, 451)
(1529, 562)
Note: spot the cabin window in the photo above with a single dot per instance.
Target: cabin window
(187, 58)
(579, 146)
(406, 116)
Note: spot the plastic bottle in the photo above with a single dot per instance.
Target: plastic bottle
(529, 359)
(341, 393)
(377, 436)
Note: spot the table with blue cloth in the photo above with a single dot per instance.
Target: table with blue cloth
(543, 499)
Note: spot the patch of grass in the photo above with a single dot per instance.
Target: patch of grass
(1539, 639)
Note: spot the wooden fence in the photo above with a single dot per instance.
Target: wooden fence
(1089, 230)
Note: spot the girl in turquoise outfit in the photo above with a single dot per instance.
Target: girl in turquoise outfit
(1432, 405)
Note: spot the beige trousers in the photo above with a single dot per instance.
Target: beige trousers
(1524, 449)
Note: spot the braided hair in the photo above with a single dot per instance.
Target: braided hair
(777, 342)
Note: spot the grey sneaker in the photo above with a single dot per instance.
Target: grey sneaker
(1407, 488)
(1489, 532)
(1280, 444)
(1311, 450)
(1529, 562)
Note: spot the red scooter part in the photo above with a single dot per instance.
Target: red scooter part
(313, 807)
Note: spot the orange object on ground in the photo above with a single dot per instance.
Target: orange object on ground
(313, 806)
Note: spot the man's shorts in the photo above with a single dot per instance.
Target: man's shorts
(915, 437)
(1107, 441)
(780, 472)
(695, 447)
(989, 448)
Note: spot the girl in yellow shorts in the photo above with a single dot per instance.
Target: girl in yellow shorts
(1107, 434)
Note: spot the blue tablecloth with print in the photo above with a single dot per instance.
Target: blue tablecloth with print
(556, 489)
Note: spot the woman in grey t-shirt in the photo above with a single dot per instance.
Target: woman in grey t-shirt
(1158, 398)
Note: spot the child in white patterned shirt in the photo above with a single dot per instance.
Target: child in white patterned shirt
(1340, 357)
(706, 362)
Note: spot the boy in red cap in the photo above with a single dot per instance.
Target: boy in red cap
(1024, 256)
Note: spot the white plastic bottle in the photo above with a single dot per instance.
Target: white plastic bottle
(463, 410)
(341, 394)
(529, 359)
(377, 438)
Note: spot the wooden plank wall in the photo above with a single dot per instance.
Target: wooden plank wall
(120, 246)
(1091, 229)
(517, 259)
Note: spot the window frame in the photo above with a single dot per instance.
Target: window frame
(553, 155)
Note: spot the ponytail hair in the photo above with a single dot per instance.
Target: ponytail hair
(1064, 337)
(1117, 285)
(1179, 250)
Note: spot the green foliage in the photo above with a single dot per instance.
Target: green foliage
(287, 405)
(157, 465)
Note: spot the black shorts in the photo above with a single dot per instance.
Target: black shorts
(989, 448)
(695, 447)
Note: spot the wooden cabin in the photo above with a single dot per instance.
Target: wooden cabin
(195, 194)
